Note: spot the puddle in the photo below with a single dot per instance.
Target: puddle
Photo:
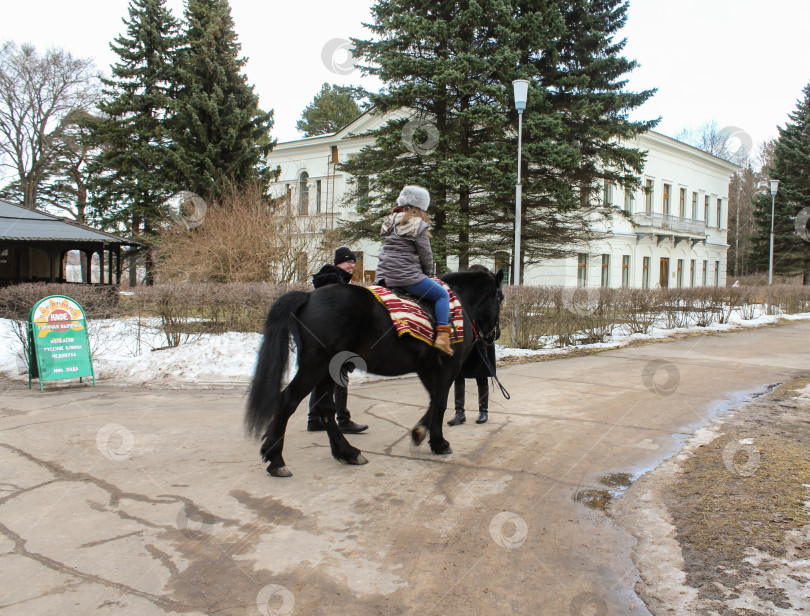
(616, 484)
(594, 499)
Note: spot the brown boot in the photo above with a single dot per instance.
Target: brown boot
(443, 339)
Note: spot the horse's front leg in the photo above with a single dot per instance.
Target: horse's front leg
(342, 450)
(438, 405)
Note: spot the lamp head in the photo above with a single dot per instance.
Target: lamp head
(521, 88)
(774, 187)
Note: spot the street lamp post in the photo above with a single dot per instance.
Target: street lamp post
(521, 88)
(774, 185)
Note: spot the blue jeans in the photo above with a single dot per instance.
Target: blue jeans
(433, 291)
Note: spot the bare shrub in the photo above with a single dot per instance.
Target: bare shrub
(598, 314)
(749, 303)
(705, 305)
(638, 309)
(675, 306)
(525, 315)
(99, 302)
(245, 237)
(790, 299)
(187, 311)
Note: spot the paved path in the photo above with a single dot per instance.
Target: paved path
(131, 501)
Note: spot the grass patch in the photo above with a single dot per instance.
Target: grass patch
(734, 496)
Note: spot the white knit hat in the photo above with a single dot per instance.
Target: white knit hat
(415, 196)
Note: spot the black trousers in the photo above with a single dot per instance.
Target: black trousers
(341, 400)
(483, 393)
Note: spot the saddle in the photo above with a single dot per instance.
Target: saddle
(416, 317)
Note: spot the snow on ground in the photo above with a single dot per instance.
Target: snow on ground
(133, 352)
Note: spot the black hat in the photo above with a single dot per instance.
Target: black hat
(343, 254)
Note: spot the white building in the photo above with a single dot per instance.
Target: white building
(680, 213)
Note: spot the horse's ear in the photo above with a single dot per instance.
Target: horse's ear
(499, 277)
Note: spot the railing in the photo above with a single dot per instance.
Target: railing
(670, 223)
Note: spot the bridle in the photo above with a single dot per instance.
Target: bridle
(488, 339)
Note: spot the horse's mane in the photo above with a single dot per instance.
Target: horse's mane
(467, 277)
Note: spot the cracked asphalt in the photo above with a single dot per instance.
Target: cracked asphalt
(137, 501)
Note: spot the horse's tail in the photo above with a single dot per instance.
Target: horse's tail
(265, 390)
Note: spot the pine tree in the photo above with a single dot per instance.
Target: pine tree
(452, 64)
(791, 161)
(220, 133)
(332, 108)
(132, 174)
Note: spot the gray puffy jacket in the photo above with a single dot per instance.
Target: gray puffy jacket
(406, 256)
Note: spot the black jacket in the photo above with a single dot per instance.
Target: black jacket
(330, 274)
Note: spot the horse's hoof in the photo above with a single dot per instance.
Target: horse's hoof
(418, 434)
(358, 459)
(446, 451)
(279, 471)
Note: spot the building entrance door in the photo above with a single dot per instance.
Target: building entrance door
(663, 281)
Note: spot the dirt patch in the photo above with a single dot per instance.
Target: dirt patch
(726, 524)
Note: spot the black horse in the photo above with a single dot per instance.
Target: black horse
(339, 322)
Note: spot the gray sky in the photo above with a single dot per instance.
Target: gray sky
(741, 63)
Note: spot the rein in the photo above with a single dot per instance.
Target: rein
(487, 364)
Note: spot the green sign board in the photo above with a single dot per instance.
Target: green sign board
(58, 347)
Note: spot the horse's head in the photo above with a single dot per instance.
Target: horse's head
(481, 295)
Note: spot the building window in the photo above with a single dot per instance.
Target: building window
(502, 264)
(648, 202)
(645, 273)
(679, 278)
(625, 271)
(607, 193)
(682, 210)
(303, 193)
(605, 270)
(317, 196)
(706, 210)
(694, 206)
(667, 192)
(705, 273)
(719, 213)
(717, 273)
(582, 270)
(692, 268)
(362, 191)
(663, 278)
(629, 200)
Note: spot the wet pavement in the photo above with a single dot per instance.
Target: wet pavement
(141, 501)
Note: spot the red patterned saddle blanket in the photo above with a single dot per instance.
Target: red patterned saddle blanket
(409, 318)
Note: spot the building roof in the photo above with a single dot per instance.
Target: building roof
(19, 223)
(372, 119)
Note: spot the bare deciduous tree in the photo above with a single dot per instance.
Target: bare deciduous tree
(728, 143)
(38, 96)
(244, 237)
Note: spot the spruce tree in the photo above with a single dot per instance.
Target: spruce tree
(790, 164)
(219, 131)
(131, 174)
(451, 65)
(332, 108)
(437, 60)
(577, 131)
